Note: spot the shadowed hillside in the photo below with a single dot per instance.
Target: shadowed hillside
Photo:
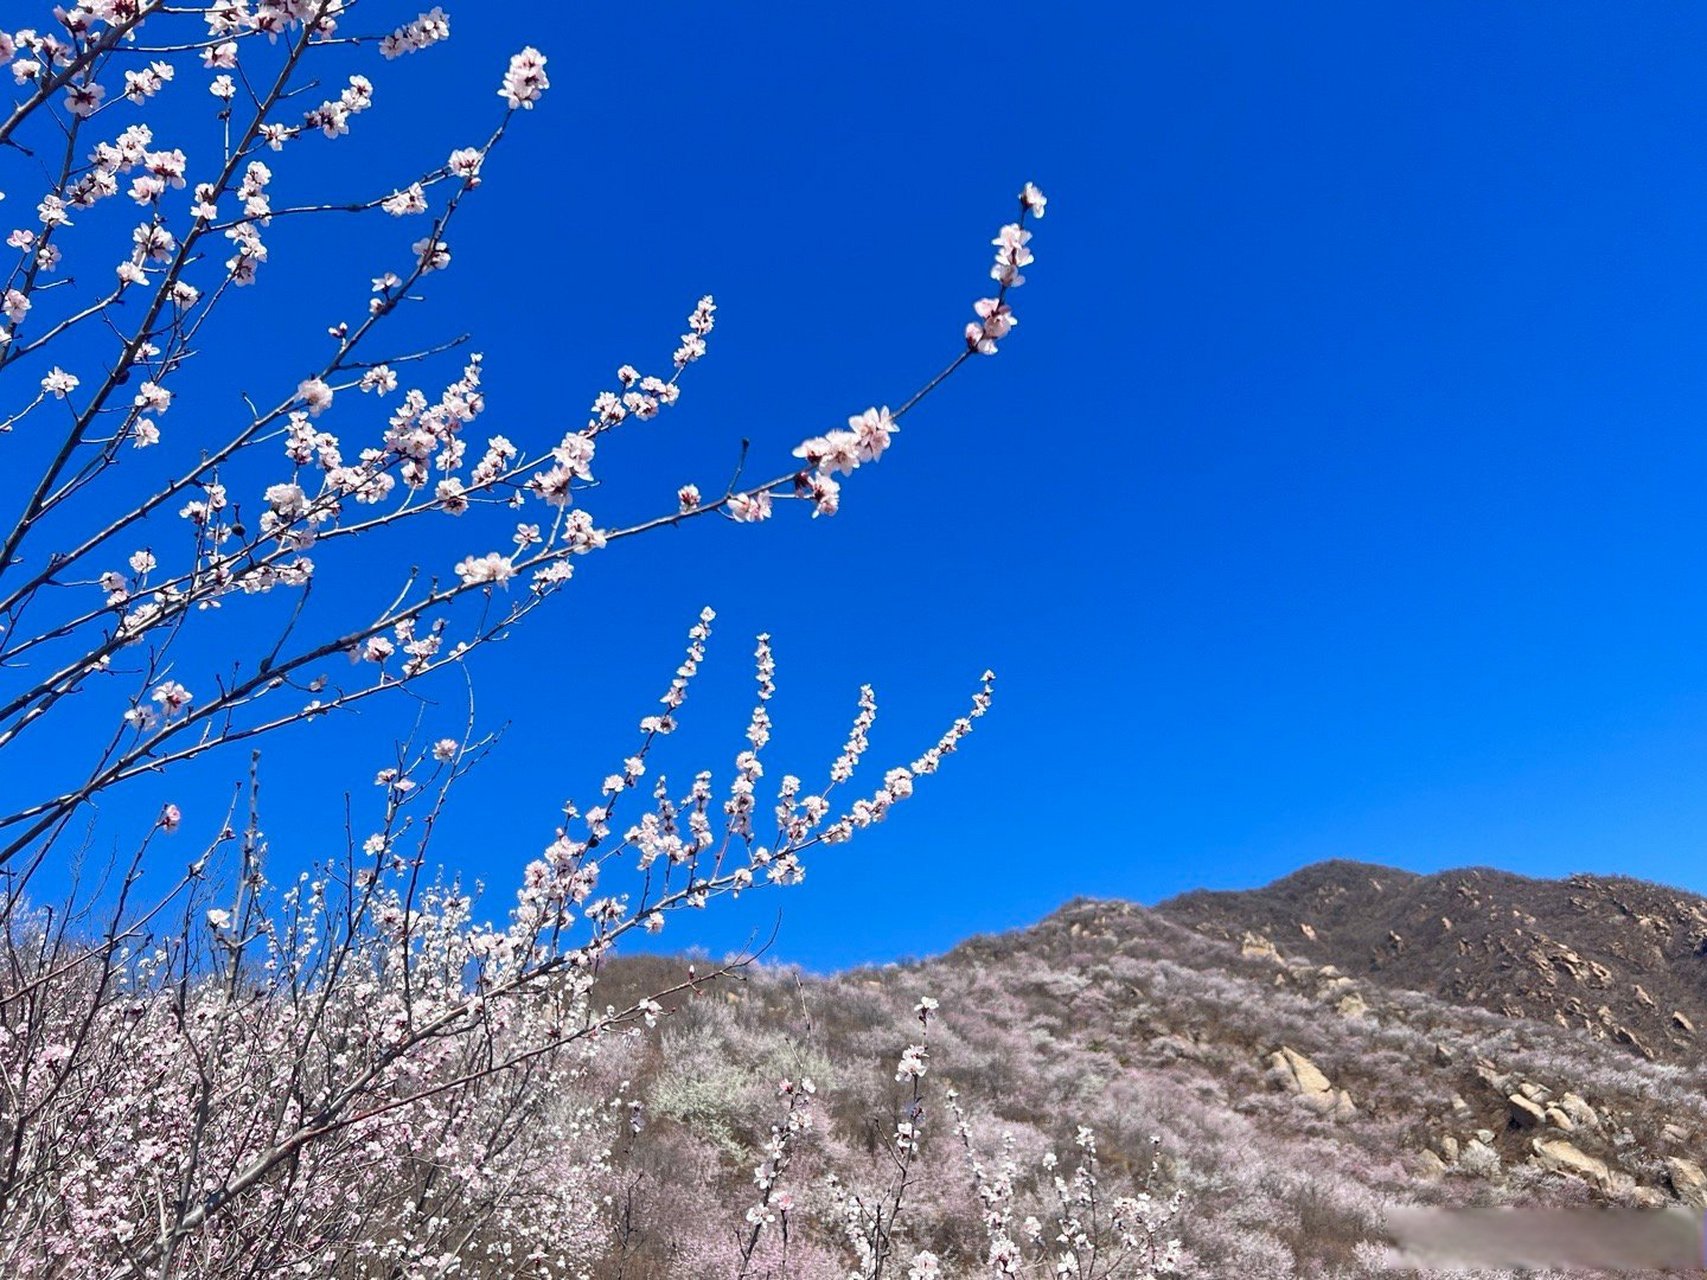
(1621, 959)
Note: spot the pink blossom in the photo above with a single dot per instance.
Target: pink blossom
(465, 163)
(433, 255)
(489, 568)
(172, 697)
(835, 451)
(525, 81)
(912, 1064)
(315, 396)
(58, 383)
(750, 507)
(427, 29)
(826, 494)
(84, 99)
(872, 430)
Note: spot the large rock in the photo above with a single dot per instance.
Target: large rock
(1352, 1006)
(1524, 1113)
(1256, 947)
(1303, 1076)
(1623, 1035)
(1492, 1076)
(1564, 1157)
(1306, 1080)
(1432, 1166)
(1688, 1180)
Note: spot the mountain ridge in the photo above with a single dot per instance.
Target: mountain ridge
(1620, 958)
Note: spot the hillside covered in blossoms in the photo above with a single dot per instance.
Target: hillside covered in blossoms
(1274, 1093)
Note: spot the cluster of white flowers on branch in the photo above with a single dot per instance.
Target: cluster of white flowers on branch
(200, 1081)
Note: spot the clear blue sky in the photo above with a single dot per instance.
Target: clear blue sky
(1339, 495)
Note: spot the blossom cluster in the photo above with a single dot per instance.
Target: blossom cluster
(995, 317)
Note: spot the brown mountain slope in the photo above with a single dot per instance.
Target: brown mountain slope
(1291, 1103)
(1622, 959)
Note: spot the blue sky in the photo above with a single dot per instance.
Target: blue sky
(1339, 494)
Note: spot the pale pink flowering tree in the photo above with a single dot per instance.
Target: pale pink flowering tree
(356, 1072)
(1037, 1220)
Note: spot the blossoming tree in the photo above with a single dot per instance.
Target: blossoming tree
(354, 1072)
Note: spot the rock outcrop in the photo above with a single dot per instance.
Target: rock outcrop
(1307, 1080)
(1565, 1157)
(1688, 1180)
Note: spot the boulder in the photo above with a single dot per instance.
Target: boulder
(1623, 1035)
(1306, 1079)
(1303, 1076)
(1492, 1076)
(1565, 1157)
(1256, 947)
(1352, 1006)
(1524, 1113)
(1688, 1180)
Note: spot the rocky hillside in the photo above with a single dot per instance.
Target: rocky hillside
(1305, 1055)
(1620, 959)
